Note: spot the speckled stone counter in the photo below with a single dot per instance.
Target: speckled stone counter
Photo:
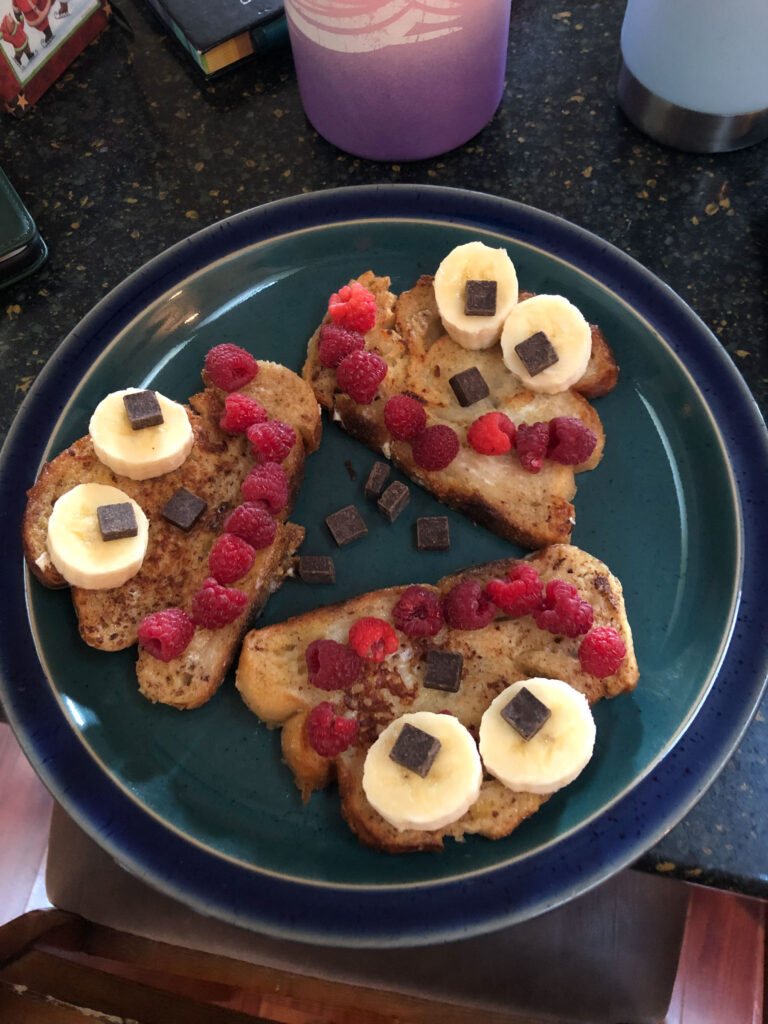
(132, 151)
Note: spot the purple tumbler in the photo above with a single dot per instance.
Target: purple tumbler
(399, 79)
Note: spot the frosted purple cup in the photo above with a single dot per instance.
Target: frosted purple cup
(399, 79)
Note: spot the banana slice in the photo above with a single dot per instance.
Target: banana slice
(474, 261)
(567, 331)
(555, 755)
(447, 791)
(76, 546)
(140, 454)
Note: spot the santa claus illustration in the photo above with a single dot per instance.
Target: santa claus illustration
(12, 31)
(36, 14)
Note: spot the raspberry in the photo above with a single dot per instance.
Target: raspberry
(267, 484)
(353, 306)
(563, 610)
(241, 412)
(468, 607)
(271, 441)
(359, 375)
(253, 523)
(520, 594)
(332, 666)
(405, 417)
(531, 442)
(230, 559)
(492, 434)
(373, 638)
(166, 634)
(214, 606)
(435, 447)
(230, 367)
(328, 733)
(601, 651)
(570, 440)
(419, 612)
(336, 342)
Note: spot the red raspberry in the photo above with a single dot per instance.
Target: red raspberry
(602, 651)
(518, 595)
(492, 434)
(373, 638)
(531, 442)
(468, 607)
(332, 666)
(253, 523)
(241, 412)
(230, 367)
(359, 375)
(353, 306)
(336, 342)
(419, 612)
(435, 447)
(166, 634)
(570, 440)
(230, 559)
(405, 417)
(267, 484)
(563, 610)
(329, 734)
(271, 442)
(214, 606)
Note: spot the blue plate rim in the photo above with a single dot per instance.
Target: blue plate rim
(444, 910)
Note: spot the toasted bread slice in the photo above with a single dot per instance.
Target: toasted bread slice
(176, 562)
(529, 509)
(272, 680)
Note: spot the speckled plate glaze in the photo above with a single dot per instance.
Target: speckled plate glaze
(199, 803)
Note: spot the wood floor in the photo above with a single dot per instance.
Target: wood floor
(722, 970)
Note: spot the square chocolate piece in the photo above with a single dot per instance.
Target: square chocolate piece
(143, 409)
(117, 521)
(393, 500)
(183, 509)
(525, 713)
(346, 525)
(536, 353)
(316, 569)
(377, 479)
(469, 386)
(480, 298)
(444, 671)
(415, 750)
(432, 533)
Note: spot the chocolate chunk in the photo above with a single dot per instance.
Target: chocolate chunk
(346, 525)
(536, 353)
(432, 533)
(444, 671)
(377, 478)
(183, 509)
(480, 298)
(143, 409)
(469, 386)
(415, 749)
(393, 500)
(117, 521)
(317, 569)
(526, 713)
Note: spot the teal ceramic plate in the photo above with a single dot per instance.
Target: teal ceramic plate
(199, 803)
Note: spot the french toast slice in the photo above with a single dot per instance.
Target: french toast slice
(273, 681)
(176, 562)
(529, 509)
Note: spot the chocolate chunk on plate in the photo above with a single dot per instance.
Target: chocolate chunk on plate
(480, 298)
(117, 521)
(469, 386)
(317, 569)
(433, 533)
(143, 409)
(526, 713)
(183, 509)
(377, 480)
(536, 353)
(444, 670)
(346, 525)
(415, 749)
(393, 500)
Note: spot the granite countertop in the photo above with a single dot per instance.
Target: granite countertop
(132, 150)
